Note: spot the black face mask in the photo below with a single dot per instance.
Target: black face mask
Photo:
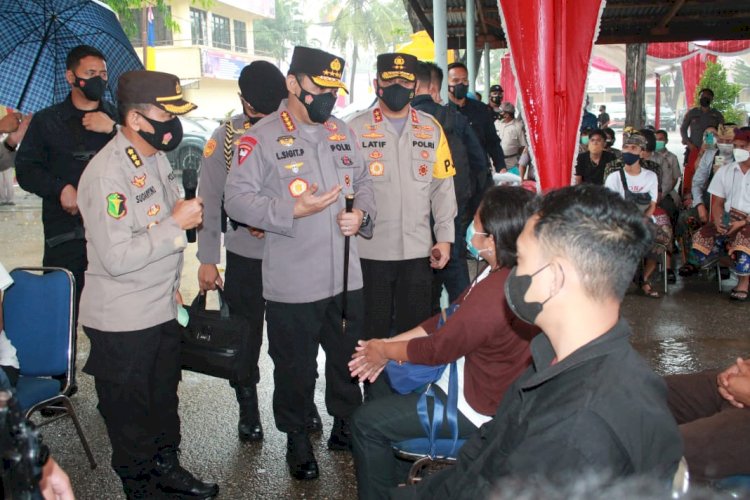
(319, 107)
(705, 102)
(515, 289)
(254, 119)
(459, 90)
(495, 99)
(166, 136)
(396, 96)
(93, 88)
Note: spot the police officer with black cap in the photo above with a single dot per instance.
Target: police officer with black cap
(262, 87)
(289, 177)
(135, 227)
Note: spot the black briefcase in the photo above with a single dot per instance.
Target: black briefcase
(216, 342)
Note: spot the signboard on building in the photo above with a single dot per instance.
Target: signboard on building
(215, 64)
(265, 8)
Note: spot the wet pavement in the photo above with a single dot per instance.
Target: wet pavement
(692, 328)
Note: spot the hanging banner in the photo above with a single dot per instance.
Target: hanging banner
(550, 43)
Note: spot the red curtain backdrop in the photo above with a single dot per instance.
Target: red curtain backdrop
(550, 44)
(602, 65)
(692, 70)
(507, 80)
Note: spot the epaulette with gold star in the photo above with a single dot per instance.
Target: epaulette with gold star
(133, 155)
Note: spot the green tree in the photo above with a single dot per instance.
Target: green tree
(276, 36)
(741, 73)
(725, 92)
(129, 12)
(366, 24)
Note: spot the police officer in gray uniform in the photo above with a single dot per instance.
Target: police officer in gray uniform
(289, 176)
(135, 227)
(262, 87)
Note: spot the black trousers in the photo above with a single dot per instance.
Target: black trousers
(294, 333)
(136, 375)
(380, 423)
(397, 295)
(244, 291)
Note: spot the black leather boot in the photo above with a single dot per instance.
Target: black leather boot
(249, 427)
(170, 477)
(299, 456)
(341, 435)
(313, 423)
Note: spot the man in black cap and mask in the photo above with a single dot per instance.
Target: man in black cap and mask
(57, 146)
(496, 99)
(135, 231)
(289, 176)
(262, 87)
(412, 172)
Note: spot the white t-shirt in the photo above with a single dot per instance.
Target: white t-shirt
(645, 182)
(731, 184)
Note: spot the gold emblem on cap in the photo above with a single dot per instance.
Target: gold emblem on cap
(177, 88)
(399, 62)
(336, 65)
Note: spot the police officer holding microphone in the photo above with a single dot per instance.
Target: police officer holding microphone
(135, 227)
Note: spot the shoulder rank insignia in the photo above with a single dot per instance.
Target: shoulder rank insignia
(246, 125)
(285, 140)
(414, 116)
(133, 155)
(297, 187)
(331, 126)
(337, 137)
(245, 148)
(288, 123)
(139, 180)
(153, 210)
(116, 205)
(377, 115)
(209, 148)
(376, 168)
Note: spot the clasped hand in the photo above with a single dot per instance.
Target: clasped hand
(368, 360)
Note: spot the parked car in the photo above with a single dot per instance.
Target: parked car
(616, 112)
(195, 133)
(667, 119)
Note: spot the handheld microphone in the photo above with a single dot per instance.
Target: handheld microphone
(190, 185)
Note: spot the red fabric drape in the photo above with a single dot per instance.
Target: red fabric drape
(550, 44)
(507, 80)
(692, 70)
(673, 50)
(602, 65)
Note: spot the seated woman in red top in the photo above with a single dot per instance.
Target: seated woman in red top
(490, 345)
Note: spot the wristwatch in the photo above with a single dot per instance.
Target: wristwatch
(365, 219)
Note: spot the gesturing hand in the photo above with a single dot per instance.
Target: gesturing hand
(309, 204)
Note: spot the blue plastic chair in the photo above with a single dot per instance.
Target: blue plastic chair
(429, 449)
(38, 314)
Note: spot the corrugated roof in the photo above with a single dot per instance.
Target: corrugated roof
(623, 21)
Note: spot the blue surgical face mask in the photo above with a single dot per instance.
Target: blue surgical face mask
(474, 251)
(660, 145)
(584, 140)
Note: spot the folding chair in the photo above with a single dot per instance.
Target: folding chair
(38, 314)
(431, 450)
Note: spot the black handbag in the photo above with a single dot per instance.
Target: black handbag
(215, 342)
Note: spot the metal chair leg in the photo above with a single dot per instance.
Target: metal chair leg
(69, 408)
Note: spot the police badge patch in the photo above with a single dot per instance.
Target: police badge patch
(208, 150)
(116, 205)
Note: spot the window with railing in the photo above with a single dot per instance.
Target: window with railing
(198, 27)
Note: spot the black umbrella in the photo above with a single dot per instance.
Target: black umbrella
(35, 38)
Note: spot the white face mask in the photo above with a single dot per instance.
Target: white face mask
(725, 149)
(741, 155)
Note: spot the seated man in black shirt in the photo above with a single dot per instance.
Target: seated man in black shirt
(588, 403)
(590, 164)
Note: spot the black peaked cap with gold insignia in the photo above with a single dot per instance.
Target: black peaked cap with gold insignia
(153, 87)
(324, 69)
(397, 65)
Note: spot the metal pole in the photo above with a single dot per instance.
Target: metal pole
(487, 82)
(471, 43)
(440, 19)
